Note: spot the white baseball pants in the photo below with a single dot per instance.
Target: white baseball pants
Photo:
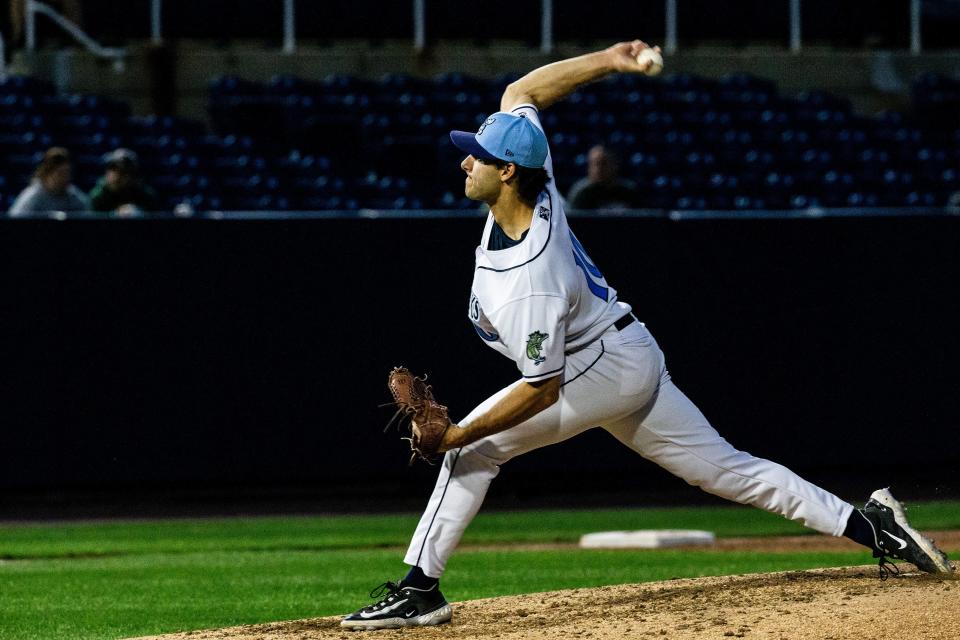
(619, 383)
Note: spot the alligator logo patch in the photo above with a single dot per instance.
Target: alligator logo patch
(535, 345)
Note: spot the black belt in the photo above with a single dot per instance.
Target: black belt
(624, 322)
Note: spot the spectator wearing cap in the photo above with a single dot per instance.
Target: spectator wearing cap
(603, 188)
(51, 188)
(121, 189)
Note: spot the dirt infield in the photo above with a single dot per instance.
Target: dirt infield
(827, 604)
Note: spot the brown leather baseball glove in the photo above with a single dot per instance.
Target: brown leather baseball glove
(416, 406)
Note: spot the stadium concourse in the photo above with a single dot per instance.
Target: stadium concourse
(346, 143)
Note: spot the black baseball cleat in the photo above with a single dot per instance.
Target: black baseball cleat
(897, 539)
(401, 606)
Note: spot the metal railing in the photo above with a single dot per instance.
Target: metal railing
(419, 8)
(33, 7)
(3, 60)
(677, 215)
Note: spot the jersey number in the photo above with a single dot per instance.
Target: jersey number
(589, 269)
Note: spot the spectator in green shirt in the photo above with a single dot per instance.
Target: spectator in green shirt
(121, 190)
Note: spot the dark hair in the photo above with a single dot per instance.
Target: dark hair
(530, 182)
(53, 159)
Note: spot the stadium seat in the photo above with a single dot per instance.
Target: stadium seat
(690, 142)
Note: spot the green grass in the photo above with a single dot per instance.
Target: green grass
(120, 579)
(363, 532)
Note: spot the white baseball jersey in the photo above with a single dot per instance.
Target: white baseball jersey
(544, 304)
(543, 298)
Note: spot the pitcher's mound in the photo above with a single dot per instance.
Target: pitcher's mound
(835, 604)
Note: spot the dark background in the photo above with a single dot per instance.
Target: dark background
(153, 365)
(843, 23)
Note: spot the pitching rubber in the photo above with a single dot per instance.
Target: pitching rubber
(884, 497)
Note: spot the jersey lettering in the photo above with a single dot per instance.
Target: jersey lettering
(474, 309)
(530, 304)
(489, 337)
(475, 312)
(589, 270)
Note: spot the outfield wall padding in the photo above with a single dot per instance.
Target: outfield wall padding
(204, 352)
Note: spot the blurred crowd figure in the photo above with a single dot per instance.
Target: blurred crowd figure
(953, 203)
(52, 187)
(121, 189)
(603, 188)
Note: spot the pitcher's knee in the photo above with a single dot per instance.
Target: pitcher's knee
(745, 484)
(705, 478)
(718, 477)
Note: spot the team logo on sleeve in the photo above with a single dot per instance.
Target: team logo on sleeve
(535, 345)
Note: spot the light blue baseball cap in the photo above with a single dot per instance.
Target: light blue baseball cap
(504, 136)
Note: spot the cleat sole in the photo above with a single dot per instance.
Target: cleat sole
(938, 559)
(430, 619)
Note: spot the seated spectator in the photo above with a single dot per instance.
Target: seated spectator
(953, 203)
(51, 188)
(121, 190)
(602, 188)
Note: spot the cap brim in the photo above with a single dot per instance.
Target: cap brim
(466, 141)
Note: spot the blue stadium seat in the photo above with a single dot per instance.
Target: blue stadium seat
(690, 142)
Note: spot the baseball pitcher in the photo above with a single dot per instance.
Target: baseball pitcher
(539, 298)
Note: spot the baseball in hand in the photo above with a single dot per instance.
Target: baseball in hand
(652, 59)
